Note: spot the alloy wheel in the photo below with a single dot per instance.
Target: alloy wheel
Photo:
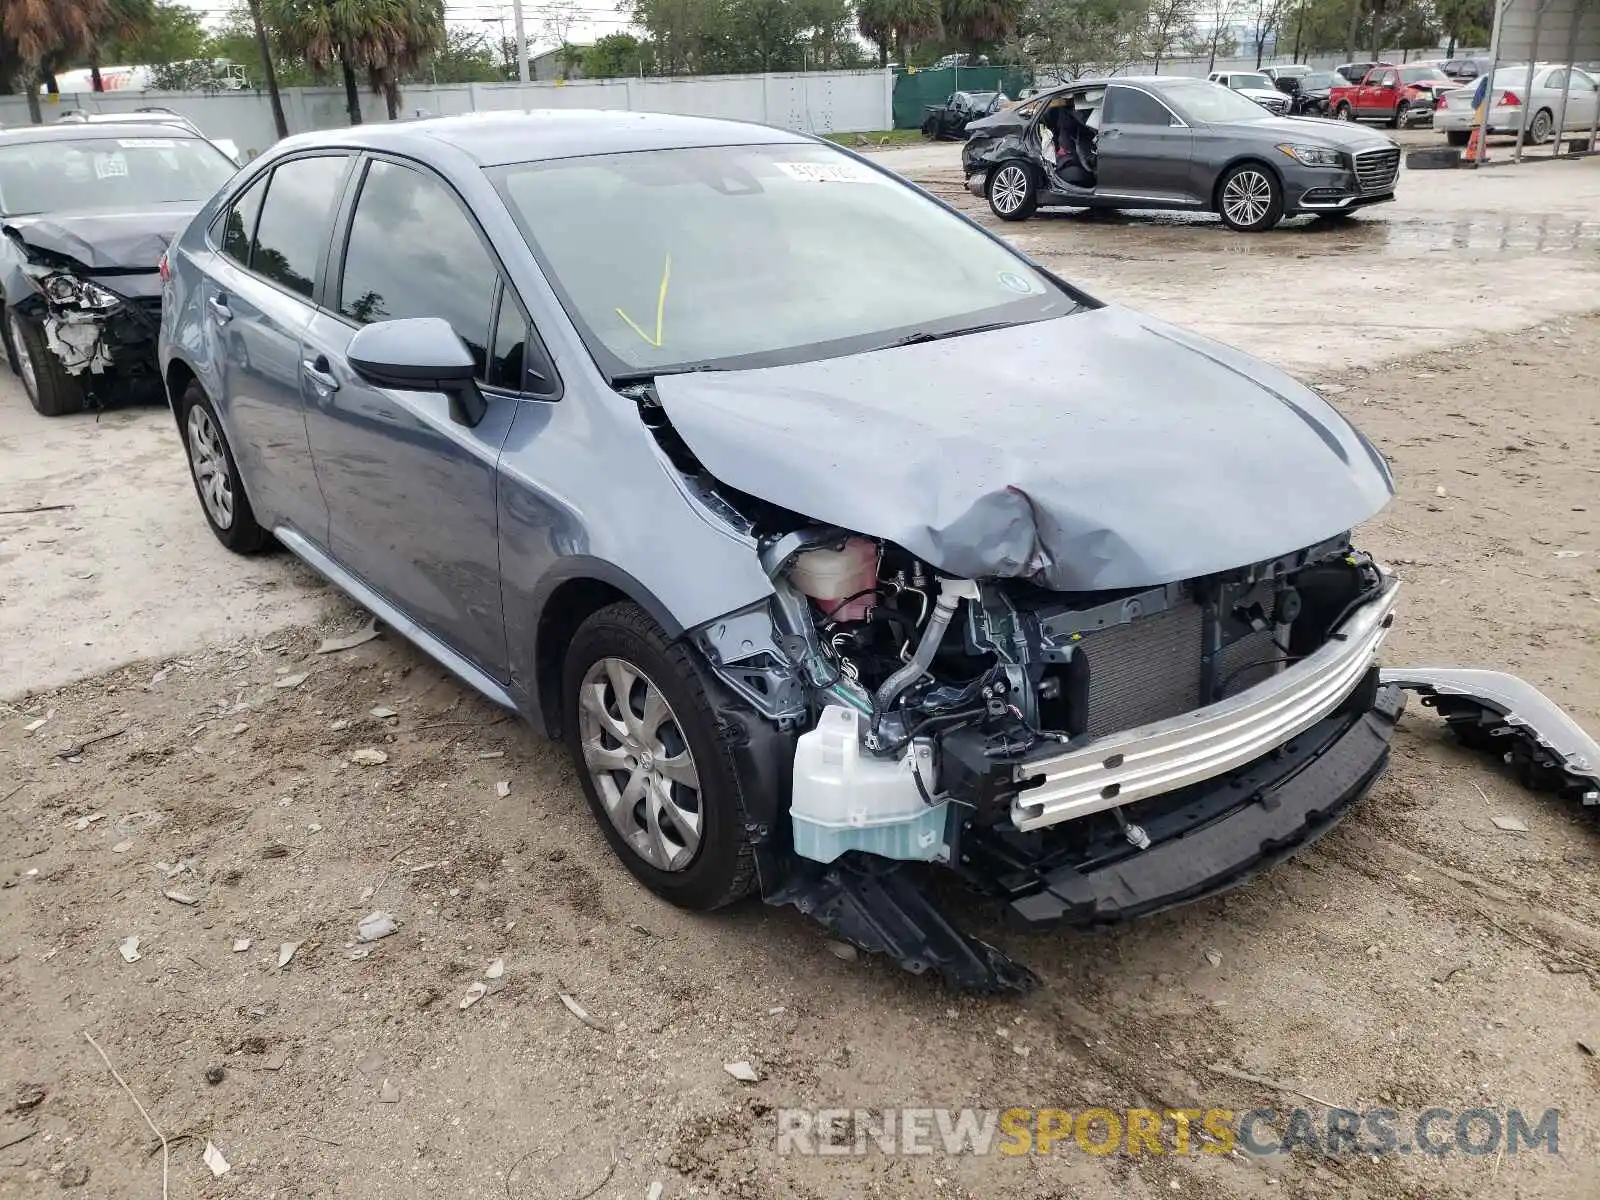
(641, 764)
(210, 464)
(1539, 131)
(1247, 197)
(1010, 189)
(1345, 113)
(23, 360)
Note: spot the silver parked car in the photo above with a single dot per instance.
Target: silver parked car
(1512, 99)
(835, 539)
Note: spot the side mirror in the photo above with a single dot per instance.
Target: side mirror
(420, 354)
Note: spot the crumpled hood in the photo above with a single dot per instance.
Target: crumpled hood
(106, 240)
(1101, 450)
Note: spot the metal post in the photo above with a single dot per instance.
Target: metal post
(1488, 87)
(1594, 125)
(1527, 86)
(1572, 55)
(522, 41)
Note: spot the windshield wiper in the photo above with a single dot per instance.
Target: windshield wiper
(629, 378)
(924, 335)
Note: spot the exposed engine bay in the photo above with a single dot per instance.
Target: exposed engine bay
(1078, 750)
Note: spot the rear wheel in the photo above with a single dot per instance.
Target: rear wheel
(656, 766)
(1249, 198)
(930, 129)
(51, 391)
(216, 476)
(1541, 127)
(1013, 192)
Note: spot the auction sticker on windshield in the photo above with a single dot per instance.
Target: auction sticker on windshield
(146, 143)
(110, 166)
(844, 172)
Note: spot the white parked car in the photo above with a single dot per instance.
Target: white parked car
(1511, 97)
(152, 116)
(1253, 85)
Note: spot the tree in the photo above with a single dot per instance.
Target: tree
(976, 23)
(1265, 16)
(617, 55)
(559, 18)
(1071, 37)
(384, 38)
(896, 24)
(1464, 22)
(467, 56)
(170, 33)
(37, 36)
(1168, 24)
(1213, 33)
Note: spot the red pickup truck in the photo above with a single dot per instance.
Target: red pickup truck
(1397, 95)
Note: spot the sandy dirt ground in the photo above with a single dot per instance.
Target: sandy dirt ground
(204, 794)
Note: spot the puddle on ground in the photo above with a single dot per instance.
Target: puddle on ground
(1406, 236)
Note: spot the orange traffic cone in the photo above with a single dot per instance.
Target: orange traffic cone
(1476, 151)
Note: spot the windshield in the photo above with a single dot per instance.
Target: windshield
(1212, 105)
(1423, 75)
(1320, 79)
(109, 172)
(1259, 82)
(733, 256)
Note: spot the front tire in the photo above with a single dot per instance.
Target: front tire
(1013, 192)
(1399, 121)
(1344, 113)
(51, 391)
(657, 768)
(216, 475)
(1250, 198)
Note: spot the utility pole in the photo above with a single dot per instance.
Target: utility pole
(522, 41)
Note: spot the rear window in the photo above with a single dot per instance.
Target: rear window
(109, 172)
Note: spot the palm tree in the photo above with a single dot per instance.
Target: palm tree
(897, 21)
(381, 37)
(976, 22)
(268, 69)
(36, 32)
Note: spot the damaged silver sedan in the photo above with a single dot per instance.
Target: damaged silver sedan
(84, 220)
(841, 544)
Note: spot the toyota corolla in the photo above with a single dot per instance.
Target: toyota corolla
(838, 541)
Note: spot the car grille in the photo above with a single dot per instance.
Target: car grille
(1146, 670)
(1277, 107)
(1376, 169)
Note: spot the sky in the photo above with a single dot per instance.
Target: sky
(593, 18)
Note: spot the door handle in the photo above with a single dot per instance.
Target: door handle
(321, 376)
(1110, 133)
(220, 309)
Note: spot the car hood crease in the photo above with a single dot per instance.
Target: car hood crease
(1101, 450)
(105, 241)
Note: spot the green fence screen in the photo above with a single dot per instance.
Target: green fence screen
(914, 90)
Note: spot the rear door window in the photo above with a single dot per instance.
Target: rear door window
(239, 227)
(1128, 106)
(295, 221)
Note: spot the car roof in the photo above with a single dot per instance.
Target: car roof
(495, 139)
(77, 131)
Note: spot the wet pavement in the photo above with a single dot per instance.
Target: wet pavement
(1457, 255)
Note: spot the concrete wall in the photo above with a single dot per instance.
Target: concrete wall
(815, 102)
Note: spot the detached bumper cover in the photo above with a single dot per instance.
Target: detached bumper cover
(1125, 768)
(1294, 797)
(1510, 714)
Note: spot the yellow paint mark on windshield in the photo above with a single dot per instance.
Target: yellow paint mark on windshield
(661, 308)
